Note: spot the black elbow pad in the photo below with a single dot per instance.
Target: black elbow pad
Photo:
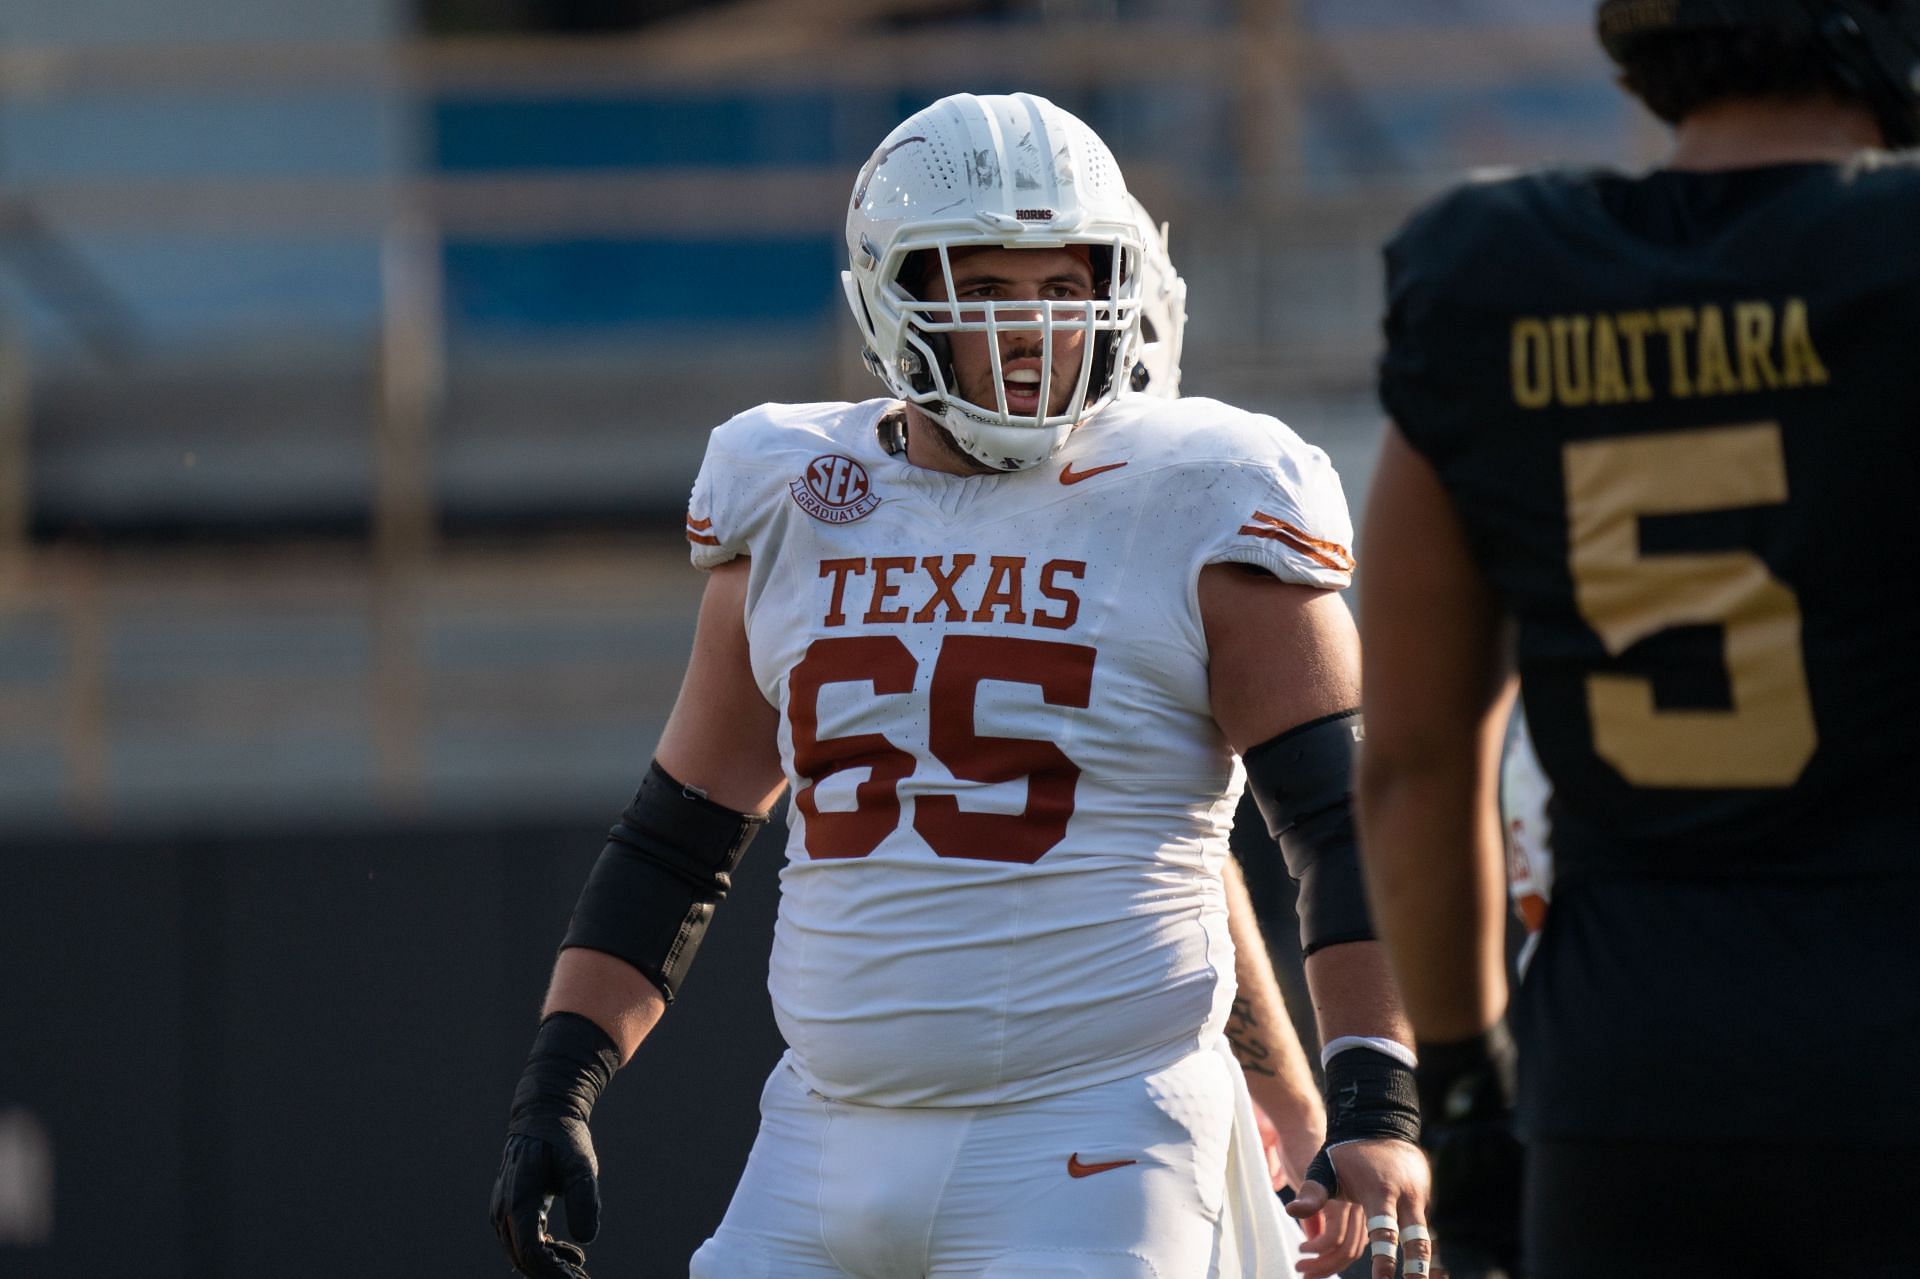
(1303, 782)
(667, 863)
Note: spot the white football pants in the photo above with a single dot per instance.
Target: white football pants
(1157, 1176)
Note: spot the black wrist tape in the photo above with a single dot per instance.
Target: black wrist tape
(571, 1064)
(1468, 1079)
(1369, 1094)
(1303, 782)
(668, 862)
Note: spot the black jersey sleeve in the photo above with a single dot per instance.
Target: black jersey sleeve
(1430, 266)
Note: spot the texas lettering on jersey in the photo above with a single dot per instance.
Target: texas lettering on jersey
(936, 589)
(995, 721)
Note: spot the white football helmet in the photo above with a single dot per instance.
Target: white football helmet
(1009, 171)
(1163, 312)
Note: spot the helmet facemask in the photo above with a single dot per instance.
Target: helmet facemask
(993, 432)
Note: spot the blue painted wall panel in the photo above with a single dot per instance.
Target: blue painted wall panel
(488, 134)
(592, 283)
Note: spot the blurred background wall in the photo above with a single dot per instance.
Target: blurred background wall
(355, 360)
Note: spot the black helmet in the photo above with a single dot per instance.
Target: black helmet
(1872, 46)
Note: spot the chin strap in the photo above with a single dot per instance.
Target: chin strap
(892, 429)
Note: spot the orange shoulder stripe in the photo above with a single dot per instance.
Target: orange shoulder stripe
(1328, 554)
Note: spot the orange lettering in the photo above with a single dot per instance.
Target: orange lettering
(1003, 590)
(943, 584)
(885, 588)
(838, 570)
(1060, 594)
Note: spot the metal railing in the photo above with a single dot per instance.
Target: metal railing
(1240, 237)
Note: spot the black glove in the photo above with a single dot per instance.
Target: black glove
(1466, 1099)
(549, 1150)
(1369, 1095)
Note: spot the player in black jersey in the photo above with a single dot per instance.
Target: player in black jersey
(1657, 451)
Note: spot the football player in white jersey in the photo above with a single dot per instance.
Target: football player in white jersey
(1527, 831)
(1002, 632)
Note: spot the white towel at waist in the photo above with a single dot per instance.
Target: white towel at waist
(1256, 1239)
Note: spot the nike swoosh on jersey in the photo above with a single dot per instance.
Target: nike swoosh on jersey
(1070, 476)
(1077, 1169)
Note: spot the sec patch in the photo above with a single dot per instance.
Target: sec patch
(835, 489)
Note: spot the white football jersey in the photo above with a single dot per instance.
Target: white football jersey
(1524, 792)
(1010, 799)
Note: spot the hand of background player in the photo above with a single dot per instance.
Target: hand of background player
(1337, 1234)
(1477, 1174)
(1290, 1136)
(1466, 1101)
(1379, 1177)
(546, 1156)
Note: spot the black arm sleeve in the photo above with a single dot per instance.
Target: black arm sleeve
(1303, 782)
(668, 862)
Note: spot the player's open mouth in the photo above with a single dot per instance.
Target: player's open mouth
(1022, 387)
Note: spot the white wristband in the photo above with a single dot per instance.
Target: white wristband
(1391, 1047)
